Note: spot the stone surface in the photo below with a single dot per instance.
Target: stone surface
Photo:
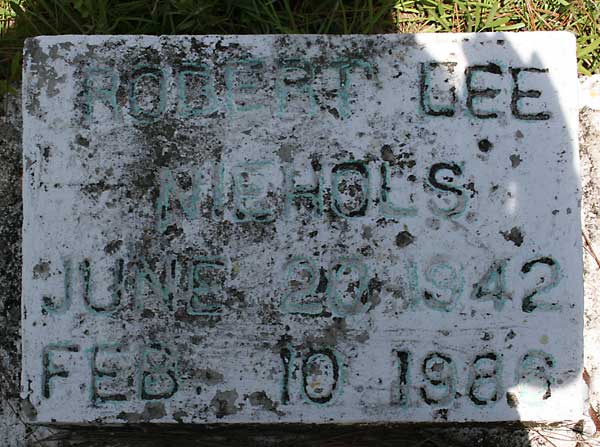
(302, 229)
(589, 92)
(590, 162)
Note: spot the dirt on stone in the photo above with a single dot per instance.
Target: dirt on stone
(14, 432)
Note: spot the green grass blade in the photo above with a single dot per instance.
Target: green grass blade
(589, 49)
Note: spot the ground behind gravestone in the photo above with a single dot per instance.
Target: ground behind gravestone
(14, 432)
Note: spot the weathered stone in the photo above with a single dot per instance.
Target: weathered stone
(302, 229)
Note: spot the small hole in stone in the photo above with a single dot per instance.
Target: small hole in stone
(485, 145)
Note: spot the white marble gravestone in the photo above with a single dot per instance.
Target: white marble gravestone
(302, 229)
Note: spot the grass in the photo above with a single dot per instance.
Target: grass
(582, 17)
(20, 19)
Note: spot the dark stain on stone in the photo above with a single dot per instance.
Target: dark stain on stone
(28, 409)
(334, 112)
(404, 239)
(485, 145)
(82, 141)
(362, 337)
(367, 251)
(514, 235)
(182, 314)
(367, 232)
(286, 152)
(210, 376)
(373, 294)
(471, 187)
(46, 153)
(441, 414)
(41, 270)
(332, 332)
(223, 403)
(322, 286)
(152, 410)
(387, 154)
(173, 231)
(113, 246)
(512, 400)
(515, 160)
(511, 334)
(260, 399)
(95, 189)
(147, 313)
(179, 415)
(45, 77)
(315, 163)
(236, 294)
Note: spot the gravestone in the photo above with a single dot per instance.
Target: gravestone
(319, 229)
